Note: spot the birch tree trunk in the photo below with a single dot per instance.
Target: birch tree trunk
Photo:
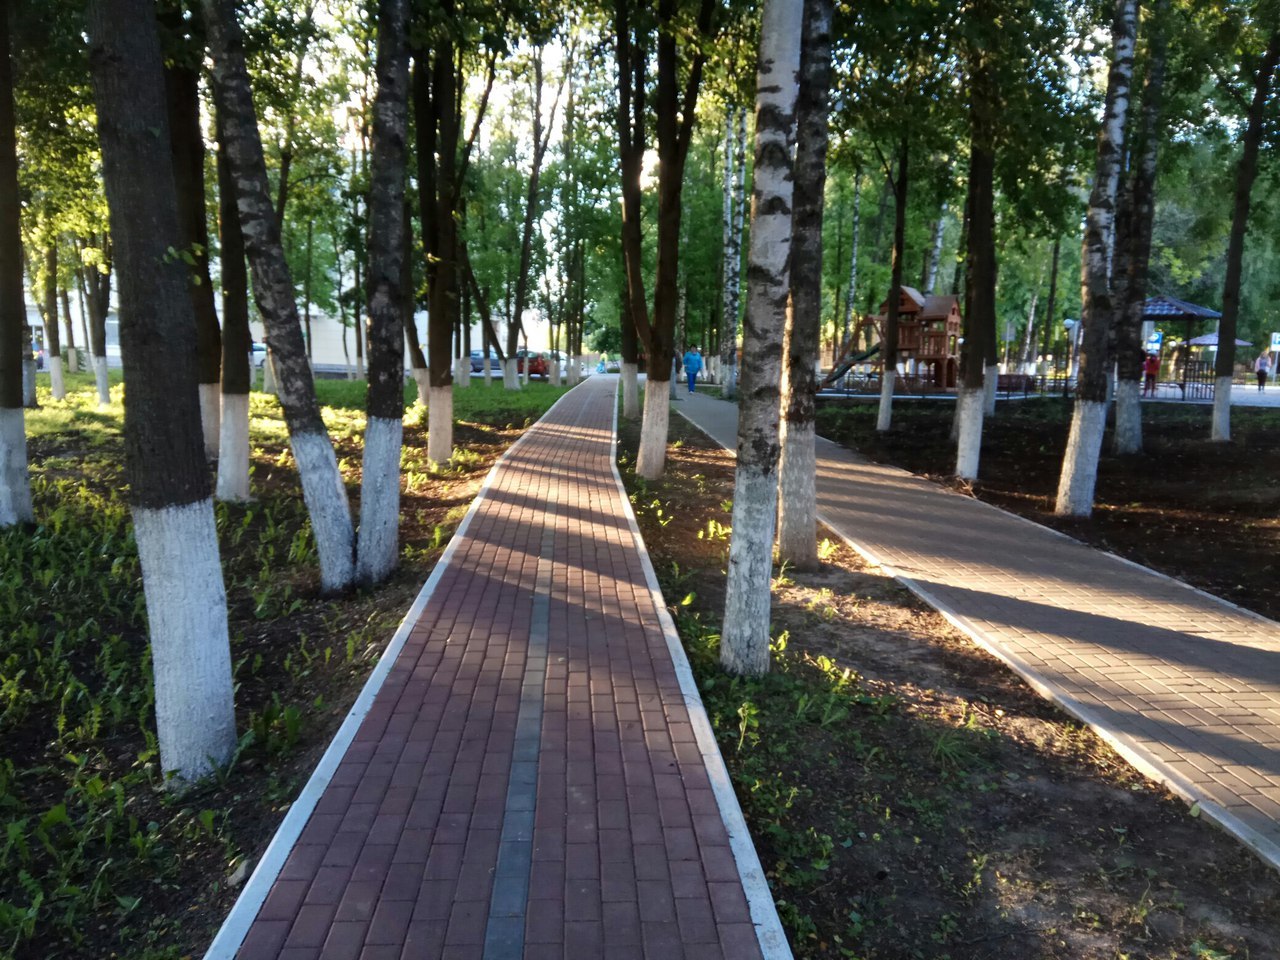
(322, 486)
(733, 277)
(379, 542)
(1129, 348)
(744, 642)
(728, 333)
(1246, 173)
(237, 342)
(1088, 421)
(797, 495)
(15, 482)
(169, 494)
(851, 299)
(884, 419)
(935, 255)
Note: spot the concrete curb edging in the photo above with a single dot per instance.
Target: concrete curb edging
(764, 913)
(235, 927)
(1150, 767)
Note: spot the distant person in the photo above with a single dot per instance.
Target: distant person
(600, 367)
(692, 367)
(1150, 373)
(1262, 367)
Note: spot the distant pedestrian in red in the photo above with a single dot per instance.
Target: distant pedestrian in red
(1262, 367)
(1150, 371)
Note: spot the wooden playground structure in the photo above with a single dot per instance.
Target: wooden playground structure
(928, 340)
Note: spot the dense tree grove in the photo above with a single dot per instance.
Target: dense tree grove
(442, 180)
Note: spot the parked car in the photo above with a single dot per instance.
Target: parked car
(536, 361)
(477, 362)
(257, 354)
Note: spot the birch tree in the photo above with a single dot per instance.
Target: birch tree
(797, 496)
(169, 494)
(322, 486)
(744, 642)
(735, 179)
(15, 483)
(1088, 419)
(233, 425)
(378, 545)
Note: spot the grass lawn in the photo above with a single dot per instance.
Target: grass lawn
(97, 860)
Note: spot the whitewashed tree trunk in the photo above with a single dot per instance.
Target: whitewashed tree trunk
(744, 642)
(736, 166)
(73, 360)
(1220, 428)
(15, 483)
(511, 374)
(630, 390)
(57, 386)
(233, 449)
(851, 298)
(210, 417)
(991, 387)
(970, 408)
(422, 380)
(379, 539)
(884, 418)
(440, 425)
(1084, 445)
(574, 373)
(101, 380)
(1080, 463)
(28, 379)
(488, 371)
(190, 653)
(1128, 435)
(652, 457)
(462, 373)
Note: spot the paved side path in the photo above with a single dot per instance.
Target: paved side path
(530, 772)
(1185, 686)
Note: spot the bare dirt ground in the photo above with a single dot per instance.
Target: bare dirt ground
(911, 797)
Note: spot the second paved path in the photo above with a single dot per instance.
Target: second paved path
(1185, 686)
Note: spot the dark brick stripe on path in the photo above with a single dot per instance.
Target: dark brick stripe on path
(1184, 685)
(531, 779)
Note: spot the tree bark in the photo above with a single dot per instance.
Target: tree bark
(322, 485)
(744, 642)
(73, 355)
(733, 263)
(380, 486)
(182, 87)
(15, 483)
(1088, 420)
(1129, 347)
(96, 281)
(1246, 173)
(49, 312)
(237, 343)
(168, 490)
(851, 297)
(935, 256)
(797, 494)
(889, 348)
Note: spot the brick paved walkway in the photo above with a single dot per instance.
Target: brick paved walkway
(535, 776)
(1185, 686)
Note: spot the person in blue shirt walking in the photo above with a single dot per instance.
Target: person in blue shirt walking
(692, 366)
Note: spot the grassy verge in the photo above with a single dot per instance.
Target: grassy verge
(912, 798)
(96, 858)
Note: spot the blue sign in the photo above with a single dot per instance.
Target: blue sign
(1154, 341)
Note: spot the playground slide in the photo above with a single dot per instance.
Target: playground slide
(846, 363)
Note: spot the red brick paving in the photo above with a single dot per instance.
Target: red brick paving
(629, 856)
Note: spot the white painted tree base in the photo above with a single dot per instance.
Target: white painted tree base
(328, 507)
(1128, 435)
(462, 373)
(190, 653)
(630, 390)
(797, 496)
(990, 386)
(488, 373)
(57, 385)
(729, 381)
(884, 419)
(422, 379)
(233, 449)
(73, 360)
(1221, 423)
(511, 374)
(440, 425)
(15, 481)
(29, 381)
(379, 541)
(970, 411)
(652, 457)
(211, 417)
(359, 372)
(573, 376)
(101, 380)
(1080, 462)
(744, 644)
